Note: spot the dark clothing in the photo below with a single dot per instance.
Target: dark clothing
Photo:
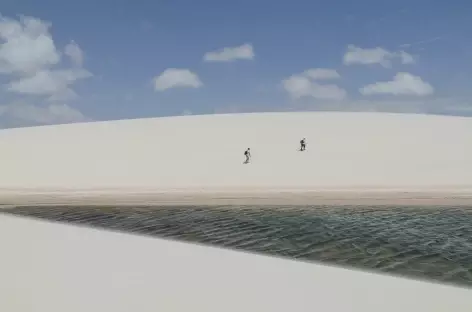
(247, 153)
(302, 145)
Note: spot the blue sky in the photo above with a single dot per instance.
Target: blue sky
(125, 45)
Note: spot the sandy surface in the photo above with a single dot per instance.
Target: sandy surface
(67, 268)
(351, 158)
(236, 198)
(345, 151)
(433, 243)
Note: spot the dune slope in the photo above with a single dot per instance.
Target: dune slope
(344, 151)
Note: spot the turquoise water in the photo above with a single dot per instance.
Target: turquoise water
(422, 242)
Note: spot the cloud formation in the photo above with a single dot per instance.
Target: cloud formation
(48, 82)
(176, 78)
(402, 84)
(75, 53)
(229, 54)
(32, 64)
(305, 85)
(26, 46)
(322, 73)
(370, 56)
(24, 114)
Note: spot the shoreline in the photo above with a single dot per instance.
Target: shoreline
(235, 197)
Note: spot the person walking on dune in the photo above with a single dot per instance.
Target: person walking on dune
(247, 153)
(303, 144)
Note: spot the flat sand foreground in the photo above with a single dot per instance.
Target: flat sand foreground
(118, 198)
(59, 267)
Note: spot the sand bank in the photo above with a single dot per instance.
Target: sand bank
(67, 268)
(90, 197)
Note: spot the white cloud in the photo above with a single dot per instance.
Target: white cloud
(322, 73)
(32, 65)
(65, 113)
(22, 114)
(75, 53)
(27, 51)
(26, 45)
(369, 56)
(303, 85)
(63, 96)
(406, 58)
(174, 78)
(402, 84)
(243, 52)
(48, 82)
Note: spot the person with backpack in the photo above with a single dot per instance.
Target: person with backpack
(303, 144)
(247, 153)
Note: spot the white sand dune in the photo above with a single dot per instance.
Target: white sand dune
(55, 268)
(51, 267)
(345, 152)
